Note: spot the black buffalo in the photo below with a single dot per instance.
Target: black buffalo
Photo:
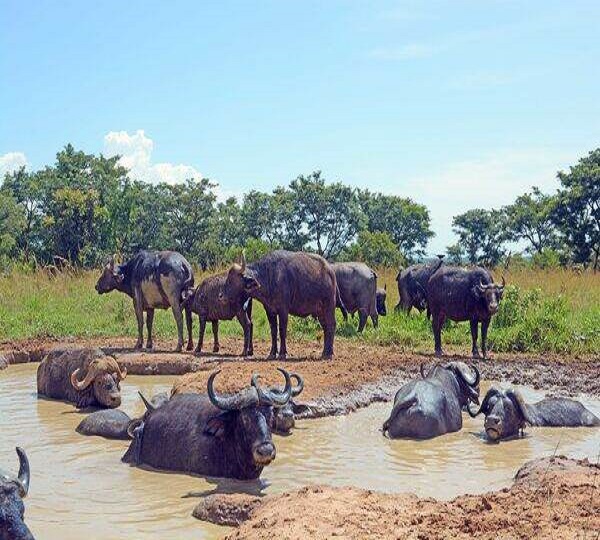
(412, 283)
(13, 489)
(506, 413)
(461, 294)
(86, 377)
(288, 283)
(284, 417)
(211, 435)
(154, 280)
(357, 284)
(209, 302)
(433, 405)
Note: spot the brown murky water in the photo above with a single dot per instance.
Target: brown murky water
(80, 488)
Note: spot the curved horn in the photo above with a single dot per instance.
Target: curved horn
(503, 283)
(297, 390)
(519, 402)
(464, 371)
(273, 397)
(243, 261)
(114, 365)
(133, 425)
(24, 474)
(477, 375)
(87, 380)
(147, 404)
(244, 398)
(484, 404)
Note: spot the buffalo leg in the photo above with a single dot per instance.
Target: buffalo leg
(474, 331)
(215, 329)
(188, 323)
(484, 330)
(437, 321)
(328, 324)
(179, 321)
(246, 324)
(139, 315)
(251, 329)
(273, 324)
(283, 324)
(362, 320)
(202, 325)
(149, 321)
(375, 319)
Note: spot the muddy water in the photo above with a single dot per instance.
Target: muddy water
(81, 489)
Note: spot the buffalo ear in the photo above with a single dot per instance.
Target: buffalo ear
(477, 291)
(215, 427)
(520, 405)
(250, 283)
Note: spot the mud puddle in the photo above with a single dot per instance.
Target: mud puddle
(81, 489)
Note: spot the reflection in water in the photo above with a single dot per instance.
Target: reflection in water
(80, 487)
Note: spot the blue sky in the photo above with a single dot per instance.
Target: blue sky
(455, 104)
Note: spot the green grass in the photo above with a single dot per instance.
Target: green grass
(542, 311)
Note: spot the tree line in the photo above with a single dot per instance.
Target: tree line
(85, 207)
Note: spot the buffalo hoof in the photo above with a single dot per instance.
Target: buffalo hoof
(190, 346)
(282, 356)
(197, 351)
(439, 354)
(179, 348)
(272, 356)
(138, 345)
(216, 349)
(150, 346)
(327, 356)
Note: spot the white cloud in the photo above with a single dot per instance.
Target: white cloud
(489, 181)
(136, 155)
(12, 161)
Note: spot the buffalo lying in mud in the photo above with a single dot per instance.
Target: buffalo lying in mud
(357, 284)
(412, 284)
(209, 302)
(461, 294)
(86, 377)
(116, 424)
(211, 435)
(154, 280)
(506, 413)
(432, 406)
(13, 489)
(288, 283)
(284, 418)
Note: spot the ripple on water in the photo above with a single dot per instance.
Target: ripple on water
(80, 487)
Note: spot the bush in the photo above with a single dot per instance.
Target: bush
(375, 249)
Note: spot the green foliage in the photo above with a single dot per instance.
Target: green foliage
(12, 225)
(375, 249)
(546, 258)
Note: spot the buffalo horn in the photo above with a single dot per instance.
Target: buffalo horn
(244, 398)
(22, 479)
(147, 404)
(271, 397)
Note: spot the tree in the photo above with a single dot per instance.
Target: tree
(482, 234)
(530, 218)
(577, 212)
(12, 225)
(455, 253)
(330, 213)
(375, 249)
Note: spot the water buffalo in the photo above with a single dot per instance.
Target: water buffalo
(153, 279)
(209, 302)
(211, 435)
(357, 284)
(506, 413)
(59, 376)
(461, 294)
(287, 283)
(13, 489)
(412, 283)
(284, 418)
(432, 406)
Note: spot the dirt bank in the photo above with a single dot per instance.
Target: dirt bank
(358, 375)
(555, 498)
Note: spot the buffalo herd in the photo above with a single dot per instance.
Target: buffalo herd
(230, 435)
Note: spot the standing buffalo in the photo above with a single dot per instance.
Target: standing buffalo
(412, 284)
(209, 302)
(154, 279)
(357, 284)
(506, 413)
(432, 406)
(287, 283)
(211, 435)
(13, 489)
(86, 377)
(463, 295)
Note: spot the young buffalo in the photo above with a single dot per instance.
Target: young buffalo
(86, 377)
(506, 413)
(209, 302)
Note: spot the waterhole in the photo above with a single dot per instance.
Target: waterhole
(80, 488)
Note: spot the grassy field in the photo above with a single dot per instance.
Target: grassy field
(542, 311)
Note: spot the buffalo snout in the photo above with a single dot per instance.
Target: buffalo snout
(493, 427)
(264, 453)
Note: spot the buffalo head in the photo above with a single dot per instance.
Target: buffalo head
(284, 417)
(468, 378)
(505, 413)
(13, 489)
(240, 282)
(380, 296)
(247, 418)
(110, 279)
(103, 377)
(491, 294)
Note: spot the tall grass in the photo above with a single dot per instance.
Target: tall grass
(542, 311)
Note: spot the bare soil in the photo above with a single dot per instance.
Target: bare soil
(555, 498)
(358, 375)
